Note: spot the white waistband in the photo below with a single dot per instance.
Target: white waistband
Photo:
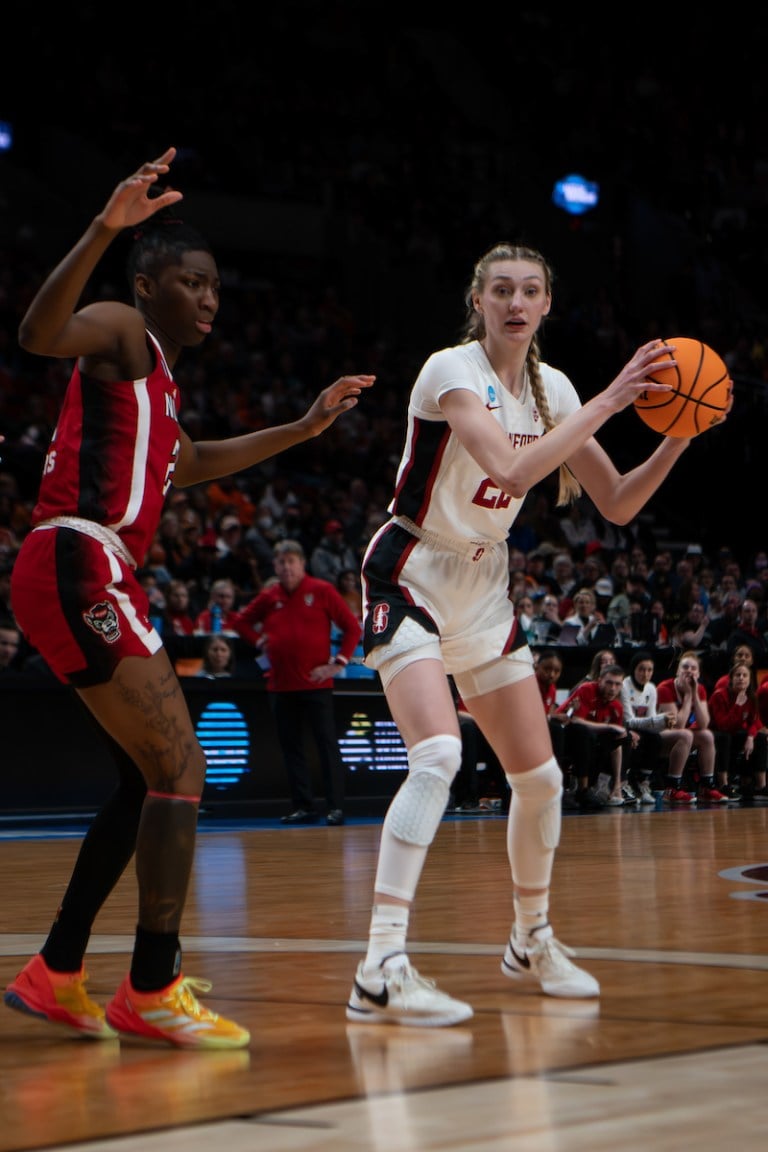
(463, 547)
(96, 531)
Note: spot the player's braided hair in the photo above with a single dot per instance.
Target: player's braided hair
(569, 487)
(160, 241)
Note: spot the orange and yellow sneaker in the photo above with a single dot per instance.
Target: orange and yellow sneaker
(173, 1014)
(59, 997)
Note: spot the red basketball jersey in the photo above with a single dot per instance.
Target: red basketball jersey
(113, 452)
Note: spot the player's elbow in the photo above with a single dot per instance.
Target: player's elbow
(514, 483)
(32, 341)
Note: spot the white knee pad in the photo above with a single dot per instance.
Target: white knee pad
(419, 805)
(537, 795)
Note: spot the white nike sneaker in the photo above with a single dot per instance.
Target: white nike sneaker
(397, 994)
(545, 962)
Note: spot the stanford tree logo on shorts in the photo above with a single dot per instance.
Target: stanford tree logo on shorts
(380, 619)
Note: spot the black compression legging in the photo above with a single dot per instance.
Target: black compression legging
(104, 854)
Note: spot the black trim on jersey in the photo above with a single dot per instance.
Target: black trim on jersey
(414, 490)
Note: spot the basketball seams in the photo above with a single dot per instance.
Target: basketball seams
(694, 404)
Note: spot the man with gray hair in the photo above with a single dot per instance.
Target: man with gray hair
(296, 615)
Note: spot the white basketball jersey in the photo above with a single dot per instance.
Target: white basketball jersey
(439, 485)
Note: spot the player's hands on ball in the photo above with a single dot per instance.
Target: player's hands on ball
(633, 379)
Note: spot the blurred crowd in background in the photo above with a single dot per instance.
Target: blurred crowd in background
(348, 184)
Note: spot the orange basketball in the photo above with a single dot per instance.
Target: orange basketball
(701, 391)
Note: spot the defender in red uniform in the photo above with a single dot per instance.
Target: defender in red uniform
(116, 450)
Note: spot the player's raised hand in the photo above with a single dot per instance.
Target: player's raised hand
(130, 203)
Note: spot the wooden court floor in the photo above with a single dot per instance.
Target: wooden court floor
(669, 909)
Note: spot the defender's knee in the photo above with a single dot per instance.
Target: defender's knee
(419, 805)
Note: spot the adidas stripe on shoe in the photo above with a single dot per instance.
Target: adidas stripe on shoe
(59, 997)
(174, 1015)
(545, 962)
(397, 994)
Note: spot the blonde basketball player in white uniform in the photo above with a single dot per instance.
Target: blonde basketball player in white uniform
(435, 601)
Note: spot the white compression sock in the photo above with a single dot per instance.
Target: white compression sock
(388, 930)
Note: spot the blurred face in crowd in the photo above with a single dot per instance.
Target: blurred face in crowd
(743, 654)
(9, 645)
(549, 669)
(741, 677)
(289, 569)
(218, 655)
(610, 684)
(643, 672)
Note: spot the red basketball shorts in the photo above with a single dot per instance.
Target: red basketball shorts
(80, 606)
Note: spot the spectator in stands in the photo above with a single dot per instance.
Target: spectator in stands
(747, 631)
(234, 559)
(592, 567)
(230, 496)
(296, 615)
(662, 579)
(350, 588)
(743, 744)
(722, 626)
(260, 540)
(177, 620)
(586, 618)
(6, 569)
(561, 582)
(684, 697)
(579, 527)
(602, 658)
(525, 612)
(221, 612)
(658, 735)
(609, 633)
(546, 623)
(741, 654)
(332, 554)
(648, 621)
(196, 570)
(10, 646)
(536, 567)
(218, 658)
(692, 630)
(596, 736)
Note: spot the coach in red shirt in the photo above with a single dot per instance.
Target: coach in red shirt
(292, 619)
(597, 733)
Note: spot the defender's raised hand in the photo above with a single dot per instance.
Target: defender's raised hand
(336, 398)
(130, 203)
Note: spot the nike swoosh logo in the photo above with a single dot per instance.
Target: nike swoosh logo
(523, 960)
(493, 407)
(379, 998)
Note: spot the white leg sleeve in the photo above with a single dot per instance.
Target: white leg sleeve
(533, 829)
(415, 814)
